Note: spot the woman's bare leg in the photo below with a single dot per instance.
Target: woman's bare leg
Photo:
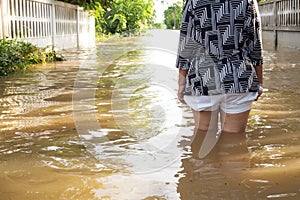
(232, 148)
(234, 123)
(208, 121)
(204, 121)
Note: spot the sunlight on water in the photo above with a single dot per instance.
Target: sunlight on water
(106, 124)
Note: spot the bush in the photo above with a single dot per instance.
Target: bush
(18, 55)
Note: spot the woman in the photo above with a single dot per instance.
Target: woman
(220, 63)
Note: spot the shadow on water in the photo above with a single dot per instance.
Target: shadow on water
(106, 124)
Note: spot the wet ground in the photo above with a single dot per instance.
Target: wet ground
(106, 124)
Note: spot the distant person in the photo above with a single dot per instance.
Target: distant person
(220, 64)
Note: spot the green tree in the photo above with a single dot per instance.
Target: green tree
(173, 15)
(124, 16)
(84, 3)
(89, 4)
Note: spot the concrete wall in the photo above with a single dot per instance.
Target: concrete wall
(288, 39)
(285, 39)
(280, 23)
(268, 38)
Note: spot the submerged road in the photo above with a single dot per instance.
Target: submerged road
(106, 124)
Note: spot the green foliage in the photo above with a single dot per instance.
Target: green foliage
(173, 16)
(123, 16)
(88, 4)
(18, 55)
(119, 16)
(91, 4)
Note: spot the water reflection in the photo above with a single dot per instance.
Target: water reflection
(119, 132)
(271, 148)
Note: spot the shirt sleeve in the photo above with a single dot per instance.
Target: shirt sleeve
(184, 51)
(253, 30)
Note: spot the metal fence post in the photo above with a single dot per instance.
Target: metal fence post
(3, 18)
(77, 27)
(53, 25)
(275, 14)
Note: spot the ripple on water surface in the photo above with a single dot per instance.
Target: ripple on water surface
(139, 148)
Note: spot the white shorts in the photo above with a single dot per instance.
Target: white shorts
(228, 103)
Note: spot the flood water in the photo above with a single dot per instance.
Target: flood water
(106, 124)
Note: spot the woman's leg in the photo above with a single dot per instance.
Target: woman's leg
(204, 121)
(232, 145)
(234, 123)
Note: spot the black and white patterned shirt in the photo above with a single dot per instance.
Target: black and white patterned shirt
(220, 46)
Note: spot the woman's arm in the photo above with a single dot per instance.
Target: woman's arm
(253, 27)
(181, 84)
(259, 73)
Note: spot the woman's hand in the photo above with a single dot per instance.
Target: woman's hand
(181, 85)
(180, 93)
(259, 73)
(260, 91)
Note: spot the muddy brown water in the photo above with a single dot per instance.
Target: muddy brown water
(105, 124)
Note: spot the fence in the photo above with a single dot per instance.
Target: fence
(47, 22)
(281, 20)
